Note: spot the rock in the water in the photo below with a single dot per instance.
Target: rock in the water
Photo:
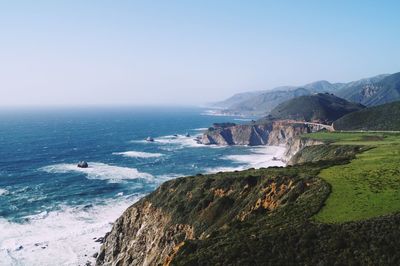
(83, 164)
(100, 240)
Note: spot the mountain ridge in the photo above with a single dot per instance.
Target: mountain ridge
(263, 101)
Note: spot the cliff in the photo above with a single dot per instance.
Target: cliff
(271, 133)
(143, 235)
(155, 229)
(252, 217)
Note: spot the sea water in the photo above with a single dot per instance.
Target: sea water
(52, 212)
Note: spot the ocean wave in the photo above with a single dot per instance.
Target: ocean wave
(261, 157)
(172, 142)
(176, 142)
(3, 191)
(179, 140)
(100, 171)
(264, 156)
(243, 119)
(224, 169)
(138, 154)
(66, 236)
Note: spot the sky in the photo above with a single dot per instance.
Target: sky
(186, 52)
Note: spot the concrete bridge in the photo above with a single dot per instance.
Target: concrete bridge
(327, 127)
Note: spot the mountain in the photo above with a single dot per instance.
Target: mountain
(382, 117)
(262, 102)
(375, 91)
(321, 107)
(237, 98)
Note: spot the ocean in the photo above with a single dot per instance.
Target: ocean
(52, 212)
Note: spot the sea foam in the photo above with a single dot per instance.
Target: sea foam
(138, 154)
(100, 171)
(66, 236)
(3, 191)
(264, 156)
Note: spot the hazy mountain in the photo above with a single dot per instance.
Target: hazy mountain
(375, 91)
(262, 102)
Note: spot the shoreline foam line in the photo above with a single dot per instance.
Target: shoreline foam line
(138, 154)
(67, 236)
(100, 171)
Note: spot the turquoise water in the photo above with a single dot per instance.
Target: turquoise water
(51, 209)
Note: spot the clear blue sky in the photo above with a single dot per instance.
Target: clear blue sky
(177, 52)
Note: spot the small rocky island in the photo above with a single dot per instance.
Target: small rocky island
(83, 164)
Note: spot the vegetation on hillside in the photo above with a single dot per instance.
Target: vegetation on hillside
(382, 117)
(371, 91)
(374, 92)
(321, 107)
(369, 185)
(340, 205)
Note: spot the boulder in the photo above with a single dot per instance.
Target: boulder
(83, 164)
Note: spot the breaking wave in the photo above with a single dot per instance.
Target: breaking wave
(138, 154)
(100, 171)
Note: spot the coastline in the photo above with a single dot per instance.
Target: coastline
(91, 223)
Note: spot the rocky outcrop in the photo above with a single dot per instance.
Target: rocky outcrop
(83, 164)
(273, 133)
(143, 235)
(297, 144)
(237, 135)
(154, 230)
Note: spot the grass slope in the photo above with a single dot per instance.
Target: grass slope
(382, 117)
(369, 185)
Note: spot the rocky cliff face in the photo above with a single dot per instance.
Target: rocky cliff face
(252, 217)
(143, 235)
(295, 145)
(155, 229)
(273, 133)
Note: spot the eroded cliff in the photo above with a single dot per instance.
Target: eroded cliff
(272, 133)
(252, 217)
(155, 229)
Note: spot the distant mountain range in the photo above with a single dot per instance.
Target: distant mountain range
(372, 91)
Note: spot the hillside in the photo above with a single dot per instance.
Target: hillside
(262, 102)
(366, 187)
(307, 214)
(322, 107)
(374, 92)
(382, 117)
(237, 98)
(265, 102)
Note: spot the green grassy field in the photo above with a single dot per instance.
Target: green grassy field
(369, 185)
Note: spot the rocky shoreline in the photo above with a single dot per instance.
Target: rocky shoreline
(150, 234)
(275, 133)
